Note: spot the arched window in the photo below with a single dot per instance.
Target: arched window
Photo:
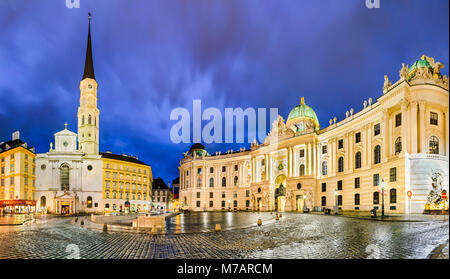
(358, 160)
(324, 168)
(393, 195)
(398, 145)
(89, 119)
(377, 154)
(324, 201)
(211, 182)
(107, 205)
(434, 145)
(302, 170)
(64, 176)
(357, 197)
(95, 121)
(341, 164)
(43, 201)
(82, 120)
(89, 202)
(235, 181)
(224, 182)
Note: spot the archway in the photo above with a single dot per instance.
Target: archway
(280, 192)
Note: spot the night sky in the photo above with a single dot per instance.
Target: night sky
(151, 56)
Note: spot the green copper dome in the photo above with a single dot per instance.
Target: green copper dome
(300, 114)
(422, 62)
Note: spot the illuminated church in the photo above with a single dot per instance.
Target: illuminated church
(397, 145)
(73, 176)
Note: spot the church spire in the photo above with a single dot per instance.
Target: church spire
(89, 64)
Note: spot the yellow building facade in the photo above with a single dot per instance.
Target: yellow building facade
(17, 176)
(394, 152)
(126, 184)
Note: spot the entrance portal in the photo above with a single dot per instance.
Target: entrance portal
(65, 208)
(300, 203)
(280, 193)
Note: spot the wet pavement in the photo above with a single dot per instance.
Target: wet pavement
(293, 236)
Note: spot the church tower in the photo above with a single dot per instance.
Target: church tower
(88, 113)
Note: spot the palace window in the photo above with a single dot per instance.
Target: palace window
(199, 182)
(82, 120)
(324, 168)
(433, 118)
(393, 195)
(247, 203)
(235, 194)
(211, 182)
(199, 170)
(89, 119)
(339, 185)
(224, 182)
(198, 203)
(235, 204)
(340, 200)
(223, 195)
(377, 154)
(358, 137)
(89, 202)
(235, 181)
(434, 145)
(376, 197)
(223, 204)
(392, 174)
(376, 129)
(341, 164)
(398, 120)
(324, 187)
(358, 160)
(340, 144)
(324, 201)
(357, 182)
(211, 195)
(43, 201)
(302, 170)
(64, 174)
(224, 169)
(376, 179)
(211, 204)
(235, 167)
(324, 149)
(357, 197)
(247, 193)
(398, 145)
(211, 170)
(302, 153)
(198, 195)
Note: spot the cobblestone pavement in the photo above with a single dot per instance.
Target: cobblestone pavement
(293, 236)
(444, 253)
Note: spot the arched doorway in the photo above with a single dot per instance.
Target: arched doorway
(280, 192)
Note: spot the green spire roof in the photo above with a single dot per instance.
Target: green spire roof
(422, 62)
(303, 111)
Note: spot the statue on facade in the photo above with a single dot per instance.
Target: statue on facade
(386, 84)
(404, 71)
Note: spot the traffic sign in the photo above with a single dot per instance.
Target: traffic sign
(444, 195)
(409, 193)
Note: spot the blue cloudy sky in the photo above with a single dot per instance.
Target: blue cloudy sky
(151, 56)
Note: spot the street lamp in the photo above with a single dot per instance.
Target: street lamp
(383, 185)
(336, 210)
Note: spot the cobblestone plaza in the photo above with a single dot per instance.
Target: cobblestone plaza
(300, 236)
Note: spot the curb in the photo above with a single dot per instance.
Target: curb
(16, 224)
(381, 220)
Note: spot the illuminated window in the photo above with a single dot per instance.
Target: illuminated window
(357, 197)
(358, 160)
(341, 164)
(434, 145)
(398, 145)
(377, 154)
(398, 120)
(433, 118)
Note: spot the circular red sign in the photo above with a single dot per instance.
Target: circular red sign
(444, 195)
(409, 193)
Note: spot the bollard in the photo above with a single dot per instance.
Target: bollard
(105, 227)
(82, 222)
(218, 228)
(259, 222)
(76, 219)
(276, 217)
(281, 215)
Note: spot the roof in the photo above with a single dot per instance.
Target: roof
(176, 181)
(196, 146)
(89, 63)
(108, 155)
(159, 184)
(303, 111)
(13, 144)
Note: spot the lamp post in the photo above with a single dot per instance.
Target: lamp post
(336, 210)
(383, 185)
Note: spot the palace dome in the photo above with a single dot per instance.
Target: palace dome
(197, 147)
(422, 62)
(302, 117)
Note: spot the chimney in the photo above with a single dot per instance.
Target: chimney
(16, 135)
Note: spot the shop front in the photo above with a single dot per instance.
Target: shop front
(17, 207)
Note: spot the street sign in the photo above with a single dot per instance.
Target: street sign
(444, 195)
(409, 193)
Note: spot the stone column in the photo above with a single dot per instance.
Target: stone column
(446, 133)
(405, 124)
(309, 158)
(369, 145)
(413, 126)
(314, 159)
(423, 146)
(351, 142)
(386, 135)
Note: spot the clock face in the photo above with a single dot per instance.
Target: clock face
(65, 144)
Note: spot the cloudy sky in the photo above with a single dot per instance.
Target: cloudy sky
(151, 56)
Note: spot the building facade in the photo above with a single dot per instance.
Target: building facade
(17, 176)
(396, 147)
(73, 176)
(161, 195)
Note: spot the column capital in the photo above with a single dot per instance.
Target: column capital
(421, 104)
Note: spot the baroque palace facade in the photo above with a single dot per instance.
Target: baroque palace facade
(397, 146)
(73, 176)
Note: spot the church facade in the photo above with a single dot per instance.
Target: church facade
(73, 176)
(394, 152)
